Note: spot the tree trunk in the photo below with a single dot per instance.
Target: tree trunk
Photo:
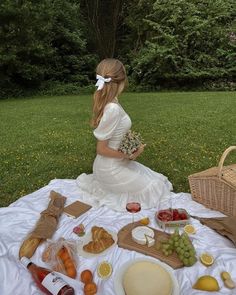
(103, 18)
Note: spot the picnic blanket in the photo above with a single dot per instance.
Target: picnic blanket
(17, 220)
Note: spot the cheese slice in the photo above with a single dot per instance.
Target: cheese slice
(150, 241)
(140, 233)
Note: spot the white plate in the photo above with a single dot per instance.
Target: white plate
(87, 238)
(118, 278)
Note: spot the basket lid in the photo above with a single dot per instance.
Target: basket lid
(211, 172)
(229, 174)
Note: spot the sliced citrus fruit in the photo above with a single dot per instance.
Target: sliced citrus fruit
(104, 270)
(189, 229)
(207, 283)
(144, 221)
(207, 259)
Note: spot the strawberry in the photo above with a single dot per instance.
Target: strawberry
(176, 214)
(183, 216)
(165, 215)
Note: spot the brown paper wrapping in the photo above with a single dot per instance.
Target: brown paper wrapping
(225, 226)
(45, 226)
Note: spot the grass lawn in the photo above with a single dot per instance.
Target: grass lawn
(43, 138)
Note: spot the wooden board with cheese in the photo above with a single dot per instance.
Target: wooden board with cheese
(126, 241)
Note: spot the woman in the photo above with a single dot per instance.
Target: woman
(117, 179)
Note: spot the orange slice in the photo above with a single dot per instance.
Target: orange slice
(104, 270)
(189, 229)
(144, 221)
(207, 259)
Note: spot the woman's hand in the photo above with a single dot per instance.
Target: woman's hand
(138, 152)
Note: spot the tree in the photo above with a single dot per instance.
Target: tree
(103, 19)
(42, 41)
(25, 49)
(188, 42)
(71, 61)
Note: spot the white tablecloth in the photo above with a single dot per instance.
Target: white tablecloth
(17, 220)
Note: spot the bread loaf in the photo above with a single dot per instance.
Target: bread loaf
(29, 246)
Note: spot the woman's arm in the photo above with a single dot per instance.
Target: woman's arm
(104, 150)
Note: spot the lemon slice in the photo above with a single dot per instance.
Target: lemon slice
(104, 270)
(189, 229)
(207, 259)
(144, 221)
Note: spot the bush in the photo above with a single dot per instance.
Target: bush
(189, 42)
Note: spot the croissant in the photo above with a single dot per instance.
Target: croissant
(99, 233)
(101, 240)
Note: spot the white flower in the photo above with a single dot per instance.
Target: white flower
(130, 142)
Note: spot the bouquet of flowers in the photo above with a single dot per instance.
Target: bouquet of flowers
(130, 142)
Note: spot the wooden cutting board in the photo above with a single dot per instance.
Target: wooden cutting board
(125, 241)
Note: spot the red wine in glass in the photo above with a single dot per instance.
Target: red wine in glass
(133, 207)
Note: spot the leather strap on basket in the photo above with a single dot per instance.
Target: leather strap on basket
(222, 159)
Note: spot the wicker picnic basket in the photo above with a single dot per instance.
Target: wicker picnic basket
(215, 188)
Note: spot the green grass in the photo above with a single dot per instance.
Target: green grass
(43, 138)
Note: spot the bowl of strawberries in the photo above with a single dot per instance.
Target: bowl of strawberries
(172, 217)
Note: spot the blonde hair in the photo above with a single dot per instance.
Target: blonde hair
(108, 68)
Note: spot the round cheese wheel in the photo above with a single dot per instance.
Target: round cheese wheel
(147, 278)
(139, 234)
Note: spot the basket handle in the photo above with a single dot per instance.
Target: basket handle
(222, 159)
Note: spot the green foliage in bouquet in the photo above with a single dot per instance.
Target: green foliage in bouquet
(130, 142)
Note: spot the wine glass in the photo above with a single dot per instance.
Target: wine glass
(133, 207)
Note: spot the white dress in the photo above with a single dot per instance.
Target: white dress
(114, 181)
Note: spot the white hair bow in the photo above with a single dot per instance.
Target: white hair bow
(101, 81)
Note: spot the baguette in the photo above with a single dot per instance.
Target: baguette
(29, 246)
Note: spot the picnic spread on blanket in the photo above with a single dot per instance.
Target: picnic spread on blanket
(53, 242)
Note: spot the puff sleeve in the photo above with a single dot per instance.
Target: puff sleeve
(108, 122)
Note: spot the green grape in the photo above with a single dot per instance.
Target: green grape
(181, 257)
(189, 247)
(185, 261)
(192, 252)
(170, 252)
(176, 244)
(168, 247)
(164, 246)
(184, 247)
(192, 260)
(182, 251)
(178, 249)
(171, 242)
(186, 242)
(176, 238)
(181, 244)
(186, 254)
